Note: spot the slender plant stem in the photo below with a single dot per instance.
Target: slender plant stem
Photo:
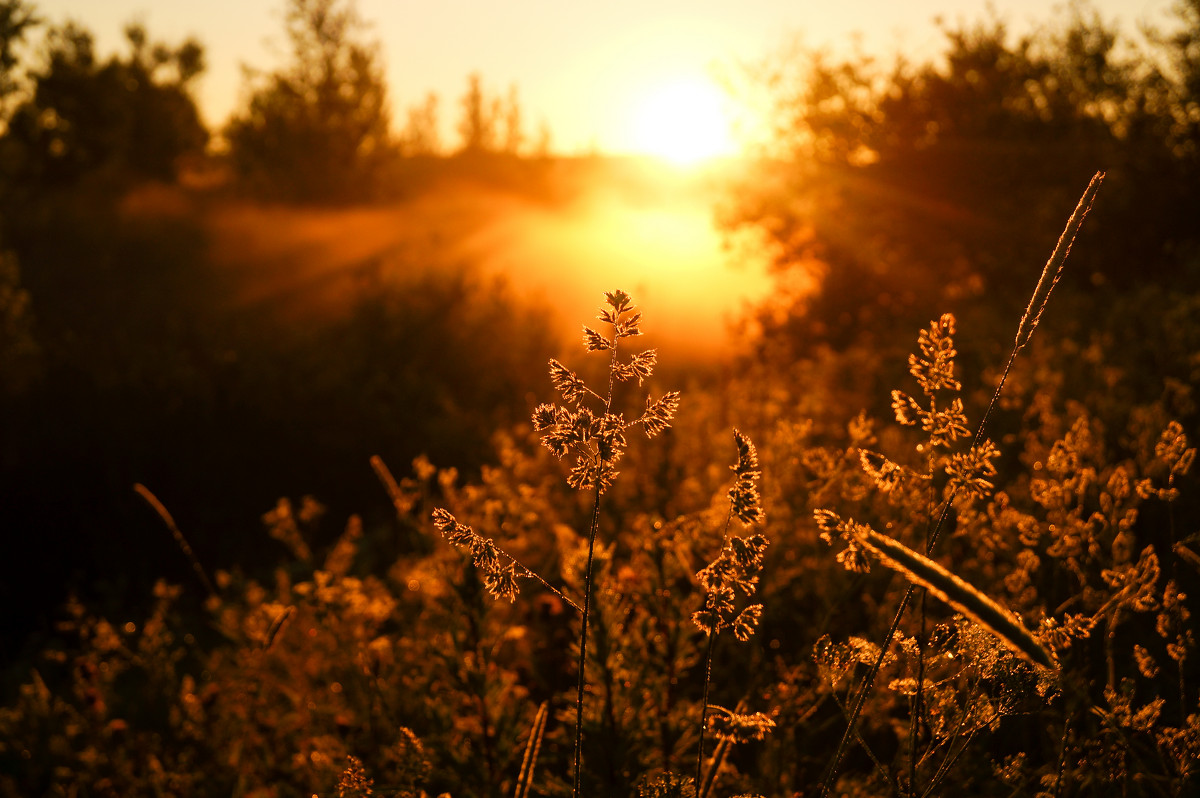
(861, 697)
(712, 640)
(583, 633)
(918, 703)
(708, 655)
(529, 763)
(1062, 756)
(719, 754)
(593, 528)
(180, 540)
(1183, 712)
(535, 575)
(914, 730)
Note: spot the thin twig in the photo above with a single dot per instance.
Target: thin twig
(718, 759)
(883, 771)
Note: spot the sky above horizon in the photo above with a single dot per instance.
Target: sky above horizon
(580, 68)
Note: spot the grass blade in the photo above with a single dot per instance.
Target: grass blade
(525, 779)
(958, 593)
(1053, 268)
(180, 540)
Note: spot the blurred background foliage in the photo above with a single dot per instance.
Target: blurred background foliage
(905, 185)
(888, 193)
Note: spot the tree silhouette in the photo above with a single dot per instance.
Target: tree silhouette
(900, 185)
(477, 125)
(421, 136)
(317, 129)
(16, 18)
(131, 116)
(514, 133)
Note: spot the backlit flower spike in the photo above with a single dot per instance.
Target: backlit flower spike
(935, 369)
(658, 414)
(595, 342)
(746, 503)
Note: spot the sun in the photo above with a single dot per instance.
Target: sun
(684, 120)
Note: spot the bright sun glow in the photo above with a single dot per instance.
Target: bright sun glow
(684, 121)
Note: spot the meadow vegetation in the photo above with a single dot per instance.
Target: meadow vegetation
(934, 531)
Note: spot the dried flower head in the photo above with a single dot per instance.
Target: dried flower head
(1172, 448)
(831, 524)
(499, 575)
(354, 782)
(971, 471)
(934, 369)
(739, 728)
(738, 565)
(736, 569)
(886, 474)
(743, 496)
(597, 437)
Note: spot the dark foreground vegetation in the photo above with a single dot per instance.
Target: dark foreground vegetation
(775, 629)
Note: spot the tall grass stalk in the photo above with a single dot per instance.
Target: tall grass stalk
(956, 592)
(597, 441)
(1050, 275)
(736, 567)
(593, 527)
(180, 540)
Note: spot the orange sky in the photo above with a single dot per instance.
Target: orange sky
(581, 67)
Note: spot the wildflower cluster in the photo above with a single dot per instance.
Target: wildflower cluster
(597, 437)
(740, 728)
(970, 472)
(934, 371)
(736, 568)
(1173, 450)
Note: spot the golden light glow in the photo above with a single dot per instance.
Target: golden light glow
(684, 121)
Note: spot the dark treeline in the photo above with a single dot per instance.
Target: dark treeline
(319, 129)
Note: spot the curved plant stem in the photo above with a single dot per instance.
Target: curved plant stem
(180, 540)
